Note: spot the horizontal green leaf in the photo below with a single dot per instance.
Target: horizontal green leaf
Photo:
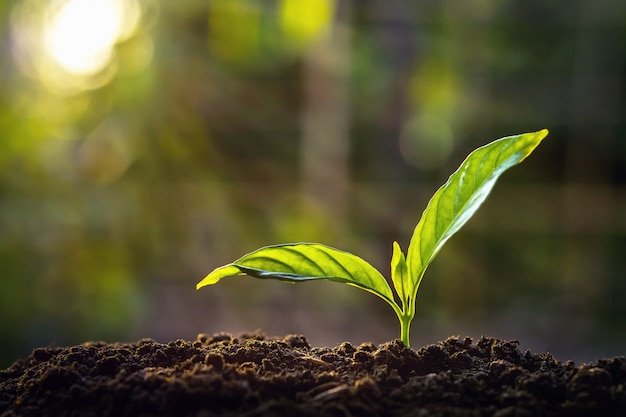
(458, 199)
(298, 262)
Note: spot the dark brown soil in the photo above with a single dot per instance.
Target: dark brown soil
(251, 375)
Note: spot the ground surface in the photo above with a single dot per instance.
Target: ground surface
(249, 375)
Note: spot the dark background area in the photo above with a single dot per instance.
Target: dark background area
(144, 143)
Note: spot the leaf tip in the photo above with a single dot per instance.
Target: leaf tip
(217, 274)
(205, 281)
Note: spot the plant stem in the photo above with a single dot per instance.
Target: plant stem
(405, 328)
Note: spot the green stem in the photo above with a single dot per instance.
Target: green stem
(405, 328)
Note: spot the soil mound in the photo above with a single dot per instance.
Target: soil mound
(252, 375)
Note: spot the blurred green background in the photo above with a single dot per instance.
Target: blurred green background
(144, 143)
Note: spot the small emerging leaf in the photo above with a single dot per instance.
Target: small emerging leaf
(400, 275)
(458, 199)
(297, 262)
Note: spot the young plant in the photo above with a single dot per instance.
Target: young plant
(448, 210)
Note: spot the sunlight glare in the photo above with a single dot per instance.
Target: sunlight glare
(80, 34)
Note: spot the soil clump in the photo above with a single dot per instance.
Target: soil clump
(252, 375)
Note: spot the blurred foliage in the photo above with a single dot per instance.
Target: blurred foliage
(144, 142)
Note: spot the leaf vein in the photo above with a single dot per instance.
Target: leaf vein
(305, 256)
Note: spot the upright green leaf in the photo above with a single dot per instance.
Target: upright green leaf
(458, 199)
(298, 262)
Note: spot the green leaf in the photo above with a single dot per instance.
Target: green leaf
(400, 275)
(298, 262)
(458, 199)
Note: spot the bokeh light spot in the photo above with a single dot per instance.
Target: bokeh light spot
(80, 34)
(70, 45)
(426, 142)
(105, 155)
(303, 21)
(234, 28)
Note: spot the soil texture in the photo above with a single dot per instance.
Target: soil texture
(252, 375)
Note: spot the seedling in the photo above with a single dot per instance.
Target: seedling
(452, 205)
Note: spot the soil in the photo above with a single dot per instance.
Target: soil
(252, 375)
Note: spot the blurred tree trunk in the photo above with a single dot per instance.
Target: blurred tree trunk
(326, 119)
